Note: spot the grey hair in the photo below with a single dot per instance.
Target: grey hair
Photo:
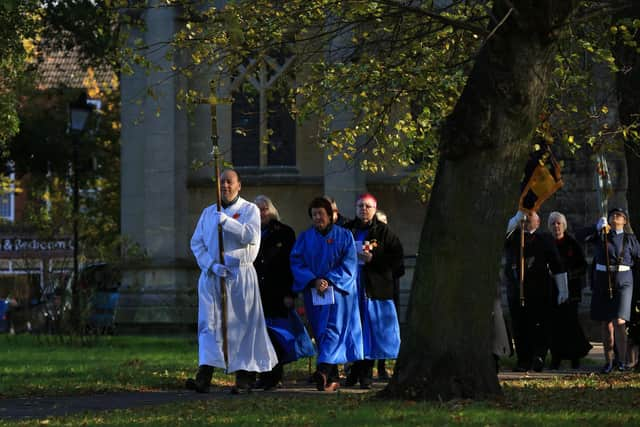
(381, 216)
(271, 209)
(556, 216)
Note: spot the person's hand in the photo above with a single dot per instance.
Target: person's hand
(562, 283)
(365, 256)
(515, 221)
(288, 301)
(221, 217)
(321, 285)
(602, 224)
(220, 270)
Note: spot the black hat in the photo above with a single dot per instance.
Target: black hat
(620, 211)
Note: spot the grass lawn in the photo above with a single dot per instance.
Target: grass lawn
(29, 367)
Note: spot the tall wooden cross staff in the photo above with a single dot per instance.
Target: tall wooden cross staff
(523, 222)
(223, 282)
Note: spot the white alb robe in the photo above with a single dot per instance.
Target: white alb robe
(249, 346)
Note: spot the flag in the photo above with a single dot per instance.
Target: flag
(541, 178)
(603, 186)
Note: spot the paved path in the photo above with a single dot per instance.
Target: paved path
(42, 407)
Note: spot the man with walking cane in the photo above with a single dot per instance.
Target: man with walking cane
(232, 332)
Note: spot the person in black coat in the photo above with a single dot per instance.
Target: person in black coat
(530, 317)
(380, 256)
(274, 277)
(568, 341)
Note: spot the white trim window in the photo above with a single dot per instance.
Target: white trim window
(7, 200)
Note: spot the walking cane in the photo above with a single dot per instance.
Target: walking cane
(522, 222)
(223, 282)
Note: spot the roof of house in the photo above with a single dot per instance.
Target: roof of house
(65, 68)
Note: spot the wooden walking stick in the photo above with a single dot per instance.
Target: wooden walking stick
(522, 223)
(223, 282)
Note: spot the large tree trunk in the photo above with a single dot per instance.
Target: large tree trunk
(628, 82)
(445, 351)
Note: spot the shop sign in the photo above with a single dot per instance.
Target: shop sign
(27, 247)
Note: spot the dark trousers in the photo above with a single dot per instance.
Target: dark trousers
(531, 331)
(330, 370)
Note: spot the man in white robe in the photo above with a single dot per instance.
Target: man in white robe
(249, 347)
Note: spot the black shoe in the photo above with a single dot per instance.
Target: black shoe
(321, 380)
(537, 364)
(352, 377)
(244, 381)
(607, 368)
(260, 384)
(202, 381)
(622, 367)
(575, 363)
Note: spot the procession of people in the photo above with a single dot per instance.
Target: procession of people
(253, 268)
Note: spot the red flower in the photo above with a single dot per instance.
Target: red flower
(236, 215)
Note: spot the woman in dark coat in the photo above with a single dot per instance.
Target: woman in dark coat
(275, 280)
(568, 341)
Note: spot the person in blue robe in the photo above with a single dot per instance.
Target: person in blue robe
(287, 332)
(324, 266)
(380, 255)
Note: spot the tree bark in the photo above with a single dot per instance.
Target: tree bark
(628, 82)
(446, 349)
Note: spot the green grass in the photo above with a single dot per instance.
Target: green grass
(44, 366)
(30, 367)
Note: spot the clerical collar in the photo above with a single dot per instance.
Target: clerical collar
(226, 205)
(618, 231)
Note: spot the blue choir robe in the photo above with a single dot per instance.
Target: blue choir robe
(291, 336)
(380, 326)
(336, 327)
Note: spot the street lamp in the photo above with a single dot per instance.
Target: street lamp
(79, 112)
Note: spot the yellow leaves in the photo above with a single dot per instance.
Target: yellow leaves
(604, 109)
(90, 83)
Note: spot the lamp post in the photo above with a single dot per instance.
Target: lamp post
(79, 112)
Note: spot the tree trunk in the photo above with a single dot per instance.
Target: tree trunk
(628, 82)
(446, 349)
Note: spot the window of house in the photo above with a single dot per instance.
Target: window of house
(245, 143)
(7, 200)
